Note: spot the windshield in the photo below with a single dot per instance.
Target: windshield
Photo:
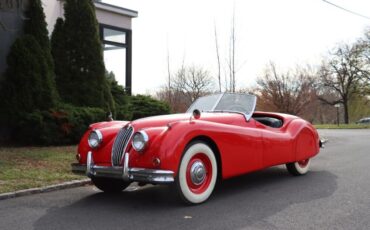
(226, 102)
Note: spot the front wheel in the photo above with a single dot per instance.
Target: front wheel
(110, 185)
(299, 168)
(197, 174)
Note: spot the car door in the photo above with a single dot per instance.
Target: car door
(277, 145)
(242, 149)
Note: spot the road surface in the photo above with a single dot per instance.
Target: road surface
(334, 195)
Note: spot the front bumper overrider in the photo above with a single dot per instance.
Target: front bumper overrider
(125, 173)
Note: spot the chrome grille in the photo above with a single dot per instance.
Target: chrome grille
(120, 144)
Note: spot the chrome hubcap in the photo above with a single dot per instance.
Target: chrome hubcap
(197, 173)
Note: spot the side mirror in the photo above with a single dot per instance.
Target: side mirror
(109, 116)
(196, 113)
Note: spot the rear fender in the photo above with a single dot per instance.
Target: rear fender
(306, 139)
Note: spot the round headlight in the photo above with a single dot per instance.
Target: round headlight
(140, 140)
(95, 138)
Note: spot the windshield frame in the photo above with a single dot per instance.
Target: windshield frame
(221, 95)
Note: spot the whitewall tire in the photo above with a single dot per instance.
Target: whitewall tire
(299, 168)
(197, 173)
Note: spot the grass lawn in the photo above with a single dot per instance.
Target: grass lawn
(31, 167)
(342, 126)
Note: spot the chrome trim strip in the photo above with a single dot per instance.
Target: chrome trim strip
(151, 175)
(155, 176)
(126, 169)
(89, 163)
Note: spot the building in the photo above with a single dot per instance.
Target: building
(115, 25)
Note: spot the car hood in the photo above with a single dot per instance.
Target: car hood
(164, 120)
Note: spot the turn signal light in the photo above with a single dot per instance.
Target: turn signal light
(156, 162)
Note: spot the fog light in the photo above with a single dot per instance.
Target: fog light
(156, 162)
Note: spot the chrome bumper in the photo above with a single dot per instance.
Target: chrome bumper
(125, 173)
(322, 143)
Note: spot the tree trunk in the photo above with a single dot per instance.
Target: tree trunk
(346, 116)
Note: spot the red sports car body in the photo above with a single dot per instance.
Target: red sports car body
(220, 137)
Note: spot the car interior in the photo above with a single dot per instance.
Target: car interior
(270, 121)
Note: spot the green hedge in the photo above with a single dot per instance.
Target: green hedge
(140, 106)
(66, 124)
(61, 126)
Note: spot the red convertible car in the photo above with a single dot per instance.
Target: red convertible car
(220, 136)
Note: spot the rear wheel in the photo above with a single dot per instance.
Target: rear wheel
(110, 185)
(197, 174)
(299, 168)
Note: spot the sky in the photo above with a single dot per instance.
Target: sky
(286, 32)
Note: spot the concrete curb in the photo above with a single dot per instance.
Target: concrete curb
(25, 192)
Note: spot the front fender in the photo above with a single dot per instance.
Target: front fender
(166, 143)
(109, 131)
(235, 158)
(174, 141)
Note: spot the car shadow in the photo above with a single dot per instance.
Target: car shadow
(235, 203)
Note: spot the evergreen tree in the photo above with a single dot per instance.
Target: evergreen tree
(59, 55)
(26, 86)
(118, 91)
(83, 81)
(36, 26)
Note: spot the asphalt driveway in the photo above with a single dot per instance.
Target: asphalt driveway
(334, 195)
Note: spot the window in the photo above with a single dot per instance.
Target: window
(114, 36)
(117, 53)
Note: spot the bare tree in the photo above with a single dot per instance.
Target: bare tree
(218, 60)
(168, 76)
(364, 46)
(233, 40)
(342, 74)
(188, 84)
(231, 60)
(178, 103)
(193, 82)
(287, 92)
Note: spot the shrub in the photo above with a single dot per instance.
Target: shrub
(66, 124)
(144, 106)
(61, 126)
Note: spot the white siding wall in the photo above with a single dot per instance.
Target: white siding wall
(113, 19)
(54, 9)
